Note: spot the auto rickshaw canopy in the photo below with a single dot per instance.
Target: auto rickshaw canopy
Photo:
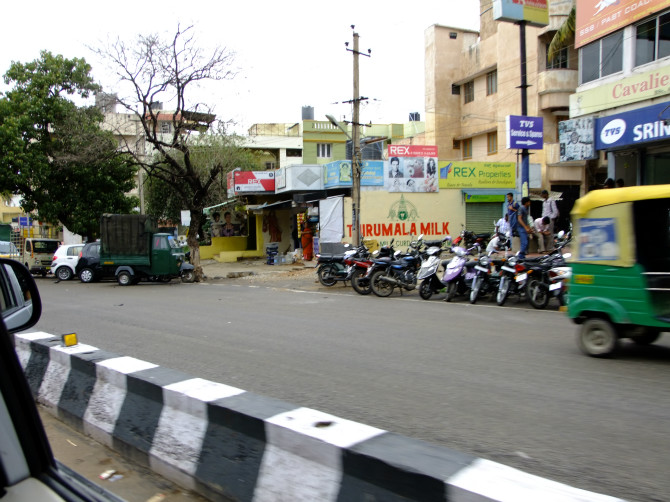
(604, 224)
(608, 196)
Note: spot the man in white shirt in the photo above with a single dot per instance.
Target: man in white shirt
(545, 238)
(502, 225)
(549, 209)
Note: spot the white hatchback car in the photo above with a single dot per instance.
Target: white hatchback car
(65, 260)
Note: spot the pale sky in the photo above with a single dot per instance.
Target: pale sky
(287, 54)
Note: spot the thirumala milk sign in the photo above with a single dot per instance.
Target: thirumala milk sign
(402, 218)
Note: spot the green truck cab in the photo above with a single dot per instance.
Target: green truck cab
(132, 250)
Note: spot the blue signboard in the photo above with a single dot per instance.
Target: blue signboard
(637, 126)
(525, 132)
(338, 173)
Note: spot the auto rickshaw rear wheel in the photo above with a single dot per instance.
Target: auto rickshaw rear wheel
(643, 335)
(598, 338)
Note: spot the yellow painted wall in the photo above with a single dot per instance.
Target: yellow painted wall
(386, 216)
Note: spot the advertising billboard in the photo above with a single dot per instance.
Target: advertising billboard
(534, 12)
(477, 174)
(411, 168)
(575, 137)
(338, 173)
(597, 18)
(254, 181)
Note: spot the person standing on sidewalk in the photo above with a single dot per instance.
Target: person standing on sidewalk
(550, 210)
(522, 226)
(512, 214)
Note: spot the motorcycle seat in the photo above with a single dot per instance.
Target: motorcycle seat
(433, 243)
(330, 257)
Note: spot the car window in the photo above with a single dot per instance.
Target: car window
(74, 250)
(45, 246)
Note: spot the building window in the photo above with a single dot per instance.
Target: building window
(293, 152)
(455, 89)
(602, 57)
(456, 144)
(560, 59)
(269, 165)
(652, 39)
(467, 148)
(323, 150)
(492, 143)
(492, 82)
(166, 127)
(469, 91)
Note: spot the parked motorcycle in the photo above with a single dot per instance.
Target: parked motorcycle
(334, 268)
(428, 273)
(513, 277)
(460, 272)
(399, 273)
(467, 239)
(548, 276)
(364, 266)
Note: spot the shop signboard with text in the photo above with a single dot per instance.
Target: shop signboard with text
(411, 168)
(254, 181)
(623, 91)
(404, 216)
(597, 18)
(477, 174)
(634, 127)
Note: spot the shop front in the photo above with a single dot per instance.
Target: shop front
(637, 144)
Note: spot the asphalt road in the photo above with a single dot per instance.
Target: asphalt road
(507, 384)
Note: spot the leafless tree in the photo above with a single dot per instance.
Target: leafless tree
(154, 70)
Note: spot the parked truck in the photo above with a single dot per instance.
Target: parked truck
(133, 249)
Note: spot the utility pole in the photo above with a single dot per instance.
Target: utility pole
(356, 157)
(356, 154)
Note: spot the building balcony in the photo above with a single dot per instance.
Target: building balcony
(554, 88)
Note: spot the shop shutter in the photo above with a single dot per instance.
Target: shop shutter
(479, 216)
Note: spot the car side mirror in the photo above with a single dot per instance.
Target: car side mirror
(19, 298)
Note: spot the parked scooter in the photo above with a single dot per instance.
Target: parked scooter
(400, 273)
(428, 273)
(460, 272)
(333, 268)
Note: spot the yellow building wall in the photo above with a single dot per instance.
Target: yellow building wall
(401, 216)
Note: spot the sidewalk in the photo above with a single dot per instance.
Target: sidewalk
(215, 270)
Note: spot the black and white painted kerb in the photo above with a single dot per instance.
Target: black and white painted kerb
(229, 444)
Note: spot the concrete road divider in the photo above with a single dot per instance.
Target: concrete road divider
(229, 444)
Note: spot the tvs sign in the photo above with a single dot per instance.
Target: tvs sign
(634, 127)
(254, 181)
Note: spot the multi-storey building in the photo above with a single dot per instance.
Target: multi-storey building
(624, 86)
(473, 83)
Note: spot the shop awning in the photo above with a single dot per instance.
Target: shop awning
(266, 205)
(536, 194)
(223, 204)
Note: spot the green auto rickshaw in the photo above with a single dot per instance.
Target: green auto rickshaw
(620, 286)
